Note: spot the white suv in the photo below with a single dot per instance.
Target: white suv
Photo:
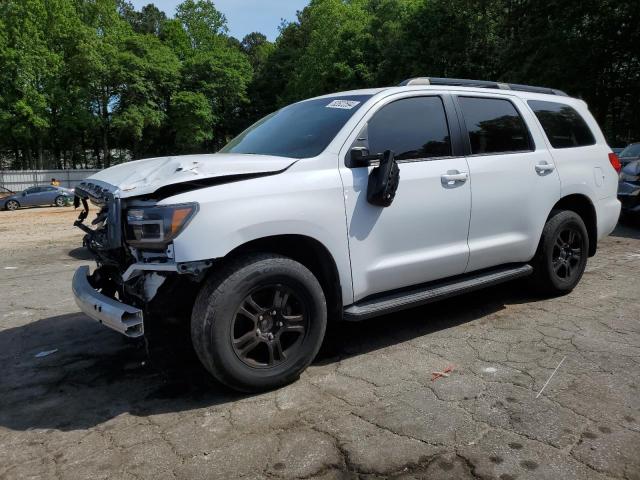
(344, 207)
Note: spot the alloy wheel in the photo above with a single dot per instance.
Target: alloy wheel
(269, 326)
(567, 253)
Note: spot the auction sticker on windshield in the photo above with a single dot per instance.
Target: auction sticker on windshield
(344, 104)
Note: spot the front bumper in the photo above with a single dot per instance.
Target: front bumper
(111, 313)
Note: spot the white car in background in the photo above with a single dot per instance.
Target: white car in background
(342, 208)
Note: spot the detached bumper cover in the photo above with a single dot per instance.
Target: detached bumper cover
(109, 312)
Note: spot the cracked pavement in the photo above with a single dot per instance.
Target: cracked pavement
(366, 408)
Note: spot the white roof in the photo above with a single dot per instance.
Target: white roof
(457, 89)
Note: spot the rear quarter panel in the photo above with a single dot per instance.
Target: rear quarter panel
(587, 170)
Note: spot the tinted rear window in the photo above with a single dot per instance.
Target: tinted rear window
(301, 130)
(494, 126)
(564, 127)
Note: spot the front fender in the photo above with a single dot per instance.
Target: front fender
(292, 203)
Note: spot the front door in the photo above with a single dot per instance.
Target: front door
(422, 235)
(30, 196)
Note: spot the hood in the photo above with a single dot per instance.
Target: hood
(142, 177)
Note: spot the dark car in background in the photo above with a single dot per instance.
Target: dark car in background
(629, 187)
(37, 196)
(631, 153)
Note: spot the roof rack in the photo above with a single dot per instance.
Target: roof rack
(460, 82)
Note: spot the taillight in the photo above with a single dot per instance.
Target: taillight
(615, 162)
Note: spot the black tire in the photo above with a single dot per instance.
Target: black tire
(562, 253)
(60, 201)
(233, 313)
(12, 205)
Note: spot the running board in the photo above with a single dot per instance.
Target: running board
(433, 292)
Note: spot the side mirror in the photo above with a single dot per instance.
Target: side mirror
(360, 157)
(384, 181)
(357, 156)
(24, 194)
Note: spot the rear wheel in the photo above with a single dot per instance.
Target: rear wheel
(259, 322)
(60, 201)
(12, 205)
(562, 254)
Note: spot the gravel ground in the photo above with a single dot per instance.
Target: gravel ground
(366, 408)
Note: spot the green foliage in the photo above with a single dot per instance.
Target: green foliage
(150, 72)
(202, 22)
(83, 80)
(191, 114)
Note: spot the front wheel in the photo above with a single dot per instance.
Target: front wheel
(259, 322)
(60, 201)
(562, 253)
(12, 205)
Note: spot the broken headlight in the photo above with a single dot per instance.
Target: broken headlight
(155, 227)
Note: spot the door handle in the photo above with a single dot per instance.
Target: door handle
(544, 168)
(454, 177)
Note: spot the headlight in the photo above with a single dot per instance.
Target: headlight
(155, 227)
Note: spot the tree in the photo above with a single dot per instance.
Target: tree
(212, 66)
(203, 23)
(257, 48)
(191, 116)
(29, 69)
(98, 62)
(222, 76)
(151, 20)
(148, 20)
(149, 74)
(92, 82)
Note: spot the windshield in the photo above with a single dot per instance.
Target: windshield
(301, 130)
(631, 151)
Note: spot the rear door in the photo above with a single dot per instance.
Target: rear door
(422, 235)
(49, 195)
(514, 182)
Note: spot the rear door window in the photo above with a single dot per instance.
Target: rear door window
(494, 126)
(413, 128)
(564, 127)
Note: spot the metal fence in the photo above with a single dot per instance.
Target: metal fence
(17, 180)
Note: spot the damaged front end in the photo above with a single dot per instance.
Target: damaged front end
(131, 241)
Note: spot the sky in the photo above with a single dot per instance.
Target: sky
(244, 16)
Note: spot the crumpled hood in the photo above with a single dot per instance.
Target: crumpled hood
(143, 177)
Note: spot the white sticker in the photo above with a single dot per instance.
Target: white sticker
(343, 104)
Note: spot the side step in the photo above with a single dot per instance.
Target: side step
(433, 291)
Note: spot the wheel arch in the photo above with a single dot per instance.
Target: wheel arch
(583, 206)
(309, 252)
